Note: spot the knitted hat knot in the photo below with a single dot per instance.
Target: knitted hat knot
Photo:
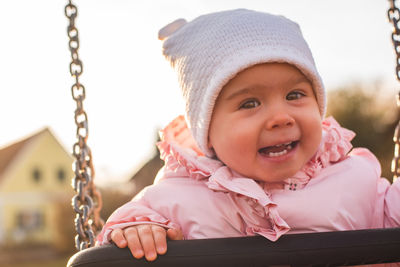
(171, 28)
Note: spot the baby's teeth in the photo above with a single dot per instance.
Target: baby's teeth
(277, 154)
(283, 144)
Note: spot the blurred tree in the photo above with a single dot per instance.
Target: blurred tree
(371, 114)
(114, 198)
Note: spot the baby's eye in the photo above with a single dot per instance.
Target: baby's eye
(251, 103)
(295, 95)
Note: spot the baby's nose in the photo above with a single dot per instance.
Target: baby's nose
(280, 120)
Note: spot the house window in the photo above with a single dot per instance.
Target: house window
(30, 220)
(61, 175)
(37, 175)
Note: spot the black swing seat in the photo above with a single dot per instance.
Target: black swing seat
(315, 249)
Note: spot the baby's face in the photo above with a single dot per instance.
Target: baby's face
(266, 123)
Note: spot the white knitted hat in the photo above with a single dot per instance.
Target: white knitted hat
(210, 50)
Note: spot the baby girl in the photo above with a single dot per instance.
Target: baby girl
(253, 154)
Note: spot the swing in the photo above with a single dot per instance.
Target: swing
(354, 247)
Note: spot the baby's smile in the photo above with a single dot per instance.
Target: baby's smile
(278, 150)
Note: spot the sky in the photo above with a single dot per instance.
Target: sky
(130, 88)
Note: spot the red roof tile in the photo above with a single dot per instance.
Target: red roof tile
(8, 153)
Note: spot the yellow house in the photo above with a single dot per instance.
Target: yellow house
(35, 185)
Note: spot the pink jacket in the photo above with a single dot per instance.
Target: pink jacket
(336, 190)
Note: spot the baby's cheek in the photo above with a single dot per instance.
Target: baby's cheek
(314, 138)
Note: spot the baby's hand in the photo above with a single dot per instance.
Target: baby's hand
(145, 239)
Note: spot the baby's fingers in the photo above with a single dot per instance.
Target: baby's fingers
(132, 237)
(175, 234)
(160, 239)
(117, 236)
(147, 240)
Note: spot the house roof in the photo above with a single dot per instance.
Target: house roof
(8, 153)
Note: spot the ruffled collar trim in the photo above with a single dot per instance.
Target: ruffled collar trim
(179, 151)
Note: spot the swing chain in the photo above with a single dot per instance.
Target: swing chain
(394, 18)
(87, 202)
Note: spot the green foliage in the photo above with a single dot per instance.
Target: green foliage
(371, 114)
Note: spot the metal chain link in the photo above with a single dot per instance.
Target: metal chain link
(394, 18)
(87, 202)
